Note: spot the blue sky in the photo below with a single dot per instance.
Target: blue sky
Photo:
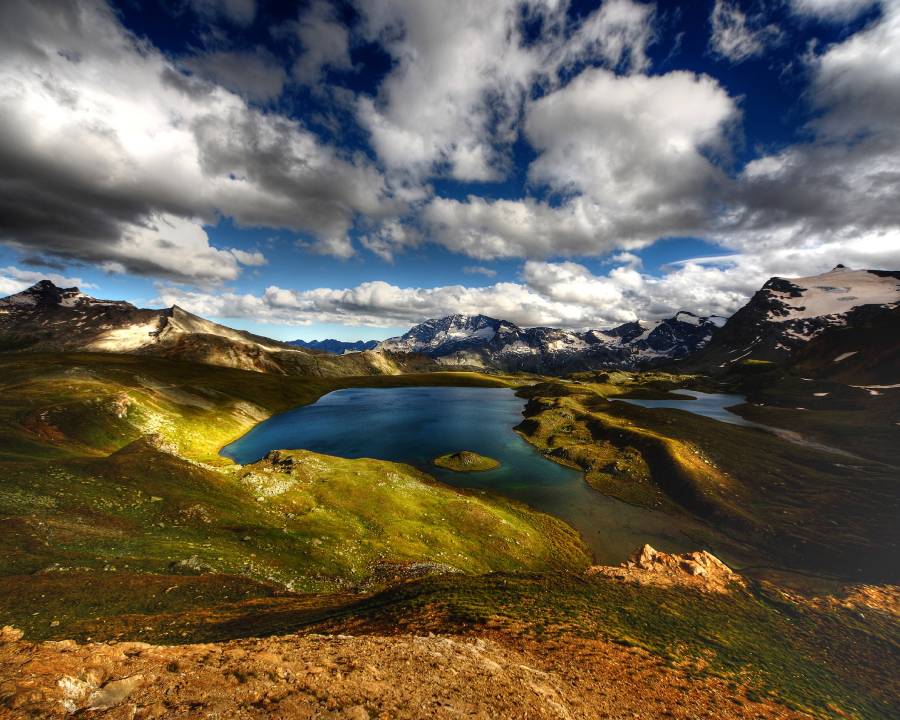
(346, 169)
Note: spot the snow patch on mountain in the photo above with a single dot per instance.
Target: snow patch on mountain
(834, 293)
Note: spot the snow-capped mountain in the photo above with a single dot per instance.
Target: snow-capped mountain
(789, 318)
(481, 341)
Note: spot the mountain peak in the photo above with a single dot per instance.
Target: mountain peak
(45, 294)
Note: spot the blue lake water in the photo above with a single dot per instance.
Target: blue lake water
(712, 405)
(415, 425)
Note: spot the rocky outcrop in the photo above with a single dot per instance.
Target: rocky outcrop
(701, 570)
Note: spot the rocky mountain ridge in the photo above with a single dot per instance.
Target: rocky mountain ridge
(47, 318)
(842, 325)
(843, 322)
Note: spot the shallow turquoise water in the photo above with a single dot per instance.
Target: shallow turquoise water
(415, 425)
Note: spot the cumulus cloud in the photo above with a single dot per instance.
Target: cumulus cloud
(841, 188)
(737, 36)
(324, 40)
(255, 75)
(390, 237)
(462, 71)
(629, 153)
(857, 81)
(102, 140)
(560, 294)
(635, 145)
(254, 259)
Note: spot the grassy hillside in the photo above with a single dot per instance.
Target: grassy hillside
(110, 464)
(120, 521)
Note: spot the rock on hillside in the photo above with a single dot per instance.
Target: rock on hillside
(647, 566)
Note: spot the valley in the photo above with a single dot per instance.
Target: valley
(127, 524)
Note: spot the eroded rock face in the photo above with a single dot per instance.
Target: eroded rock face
(701, 569)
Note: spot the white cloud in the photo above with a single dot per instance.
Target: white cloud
(255, 75)
(560, 294)
(491, 229)
(451, 103)
(325, 42)
(833, 10)
(479, 270)
(737, 36)
(857, 81)
(173, 246)
(254, 259)
(633, 144)
(628, 152)
(103, 138)
(391, 237)
(841, 188)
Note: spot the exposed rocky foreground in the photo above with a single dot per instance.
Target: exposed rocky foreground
(483, 673)
(359, 677)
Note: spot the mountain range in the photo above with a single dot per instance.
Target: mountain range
(843, 325)
(484, 342)
(335, 347)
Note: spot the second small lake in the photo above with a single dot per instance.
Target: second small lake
(712, 405)
(415, 425)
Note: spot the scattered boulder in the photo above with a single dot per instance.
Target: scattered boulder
(190, 566)
(114, 692)
(280, 460)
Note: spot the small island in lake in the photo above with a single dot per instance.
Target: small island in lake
(466, 461)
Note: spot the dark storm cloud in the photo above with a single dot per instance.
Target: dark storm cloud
(116, 157)
(256, 75)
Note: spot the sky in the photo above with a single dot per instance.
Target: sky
(347, 169)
